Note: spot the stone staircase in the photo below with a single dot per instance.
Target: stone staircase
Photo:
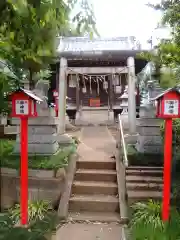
(144, 183)
(95, 192)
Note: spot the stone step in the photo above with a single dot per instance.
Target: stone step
(143, 179)
(105, 164)
(93, 203)
(105, 217)
(144, 168)
(136, 196)
(95, 175)
(91, 187)
(143, 172)
(144, 186)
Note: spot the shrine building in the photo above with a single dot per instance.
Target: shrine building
(97, 69)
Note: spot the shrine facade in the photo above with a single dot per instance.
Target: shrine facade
(97, 70)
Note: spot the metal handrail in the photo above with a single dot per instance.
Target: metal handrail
(121, 166)
(125, 161)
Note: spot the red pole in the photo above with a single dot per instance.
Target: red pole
(24, 170)
(56, 106)
(167, 169)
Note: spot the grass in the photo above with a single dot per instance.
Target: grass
(53, 162)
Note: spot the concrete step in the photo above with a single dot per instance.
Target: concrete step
(91, 187)
(94, 216)
(93, 203)
(95, 175)
(136, 196)
(144, 172)
(105, 164)
(143, 179)
(144, 186)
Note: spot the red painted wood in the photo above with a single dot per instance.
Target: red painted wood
(24, 170)
(172, 95)
(167, 169)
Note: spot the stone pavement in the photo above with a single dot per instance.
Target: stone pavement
(94, 117)
(97, 143)
(90, 231)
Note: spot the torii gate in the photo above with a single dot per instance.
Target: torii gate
(131, 95)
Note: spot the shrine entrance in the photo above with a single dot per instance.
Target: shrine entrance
(93, 91)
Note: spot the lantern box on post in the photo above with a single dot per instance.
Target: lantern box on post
(24, 103)
(23, 107)
(168, 104)
(168, 107)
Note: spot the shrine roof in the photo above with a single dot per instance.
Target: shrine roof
(83, 46)
(30, 94)
(175, 89)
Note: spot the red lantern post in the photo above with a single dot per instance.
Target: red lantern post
(168, 107)
(23, 107)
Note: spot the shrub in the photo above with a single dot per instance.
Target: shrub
(41, 222)
(146, 223)
(176, 132)
(59, 160)
(176, 147)
(6, 147)
(36, 211)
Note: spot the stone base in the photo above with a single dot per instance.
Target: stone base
(42, 136)
(149, 144)
(149, 140)
(47, 189)
(149, 149)
(149, 126)
(64, 139)
(130, 139)
(38, 148)
(147, 111)
(111, 116)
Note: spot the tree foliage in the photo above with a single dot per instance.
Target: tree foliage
(28, 31)
(167, 53)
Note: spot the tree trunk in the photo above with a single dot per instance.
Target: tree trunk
(31, 82)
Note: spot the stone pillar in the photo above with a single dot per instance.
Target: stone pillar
(111, 100)
(131, 96)
(62, 95)
(111, 92)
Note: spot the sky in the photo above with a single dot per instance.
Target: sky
(126, 18)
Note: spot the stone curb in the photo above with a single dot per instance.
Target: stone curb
(64, 201)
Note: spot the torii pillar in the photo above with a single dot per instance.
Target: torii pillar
(131, 137)
(62, 95)
(62, 137)
(131, 95)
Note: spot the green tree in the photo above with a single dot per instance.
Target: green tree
(167, 53)
(28, 36)
(28, 31)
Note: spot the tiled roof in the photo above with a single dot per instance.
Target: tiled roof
(79, 44)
